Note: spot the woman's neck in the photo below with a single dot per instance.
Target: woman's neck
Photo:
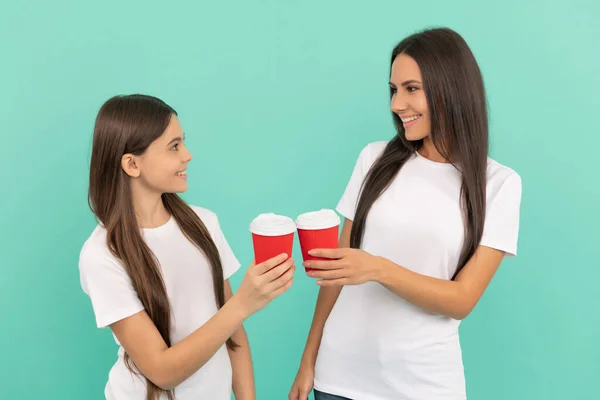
(429, 151)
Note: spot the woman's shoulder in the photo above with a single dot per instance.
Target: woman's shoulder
(374, 149)
(370, 153)
(500, 172)
(499, 175)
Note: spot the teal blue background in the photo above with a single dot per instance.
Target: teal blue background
(262, 86)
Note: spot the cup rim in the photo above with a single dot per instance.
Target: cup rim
(332, 220)
(317, 227)
(286, 227)
(258, 232)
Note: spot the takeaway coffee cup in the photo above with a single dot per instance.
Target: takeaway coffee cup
(317, 230)
(272, 235)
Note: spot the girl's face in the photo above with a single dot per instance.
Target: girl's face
(408, 97)
(162, 167)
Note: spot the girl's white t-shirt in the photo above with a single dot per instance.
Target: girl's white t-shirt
(378, 346)
(188, 279)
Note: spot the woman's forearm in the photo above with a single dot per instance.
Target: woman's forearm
(325, 302)
(435, 295)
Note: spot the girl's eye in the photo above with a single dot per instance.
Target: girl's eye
(175, 146)
(411, 89)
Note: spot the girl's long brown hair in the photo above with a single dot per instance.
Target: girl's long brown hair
(459, 130)
(128, 125)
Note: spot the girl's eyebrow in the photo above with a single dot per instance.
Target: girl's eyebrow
(176, 139)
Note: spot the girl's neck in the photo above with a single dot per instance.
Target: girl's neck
(149, 208)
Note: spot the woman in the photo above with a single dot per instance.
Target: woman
(428, 219)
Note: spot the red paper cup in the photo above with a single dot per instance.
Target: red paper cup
(267, 247)
(272, 235)
(317, 230)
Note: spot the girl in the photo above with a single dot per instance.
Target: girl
(156, 270)
(428, 220)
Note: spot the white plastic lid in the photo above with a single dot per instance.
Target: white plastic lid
(322, 219)
(272, 225)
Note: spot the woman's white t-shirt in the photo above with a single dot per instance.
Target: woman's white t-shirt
(378, 346)
(188, 279)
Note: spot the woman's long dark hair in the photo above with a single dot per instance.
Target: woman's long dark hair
(129, 124)
(459, 130)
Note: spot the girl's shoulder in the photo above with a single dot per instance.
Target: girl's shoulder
(208, 217)
(96, 258)
(96, 245)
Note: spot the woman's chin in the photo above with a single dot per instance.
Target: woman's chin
(413, 137)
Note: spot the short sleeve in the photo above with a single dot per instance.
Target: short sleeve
(501, 230)
(349, 201)
(108, 286)
(228, 260)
